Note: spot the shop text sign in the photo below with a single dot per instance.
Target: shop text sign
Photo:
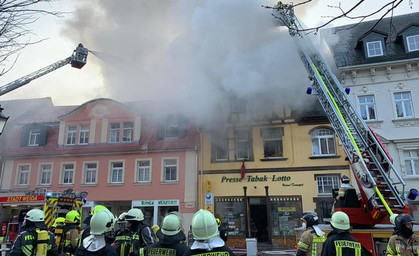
(16, 199)
(155, 202)
(262, 178)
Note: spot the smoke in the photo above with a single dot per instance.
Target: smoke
(200, 51)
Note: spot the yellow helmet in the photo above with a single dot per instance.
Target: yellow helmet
(98, 208)
(58, 221)
(72, 216)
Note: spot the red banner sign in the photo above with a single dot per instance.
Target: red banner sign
(17, 199)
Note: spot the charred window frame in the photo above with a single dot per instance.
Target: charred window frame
(219, 146)
(272, 142)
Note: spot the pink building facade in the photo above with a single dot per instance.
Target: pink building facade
(140, 154)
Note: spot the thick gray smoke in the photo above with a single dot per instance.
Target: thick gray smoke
(200, 51)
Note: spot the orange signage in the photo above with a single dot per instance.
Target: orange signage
(17, 199)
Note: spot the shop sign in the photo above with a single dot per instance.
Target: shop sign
(256, 178)
(286, 209)
(167, 202)
(139, 203)
(16, 199)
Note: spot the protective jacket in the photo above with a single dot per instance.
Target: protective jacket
(122, 242)
(340, 243)
(26, 242)
(398, 246)
(141, 238)
(310, 243)
(214, 246)
(69, 244)
(168, 245)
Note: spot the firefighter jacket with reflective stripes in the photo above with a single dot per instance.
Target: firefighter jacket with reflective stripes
(26, 243)
(69, 243)
(143, 237)
(122, 242)
(219, 251)
(168, 245)
(398, 246)
(310, 243)
(342, 244)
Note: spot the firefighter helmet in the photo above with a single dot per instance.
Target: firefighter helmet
(204, 225)
(134, 214)
(98, 208)
(121, 218)
(340, 220)
(171, 225)
(102, 222)
(218, 221)
(35, 215)
(393, 219)
(345, 179)
(72, 217)
(57, 221)
(310, 218)
(402, 219)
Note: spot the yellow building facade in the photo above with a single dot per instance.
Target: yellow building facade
(259, 174)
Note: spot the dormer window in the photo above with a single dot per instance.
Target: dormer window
(412, 43)
(374, 49)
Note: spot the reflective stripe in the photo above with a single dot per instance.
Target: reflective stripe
(141, 251)
(305, 246)
(389, 250)
(27, 249)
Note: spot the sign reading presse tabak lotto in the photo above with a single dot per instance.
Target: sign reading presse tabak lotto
(262, 178)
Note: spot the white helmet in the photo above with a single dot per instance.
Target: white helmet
(340, 220)
(171, 225)
(103, 221)
(35, 215)
(204, 225)
(134, 214)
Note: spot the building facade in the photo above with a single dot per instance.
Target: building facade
(379, 63)
(122, 155)
(259, 173)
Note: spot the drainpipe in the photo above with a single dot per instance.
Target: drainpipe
(199, 168)
(196, 181)
(268, 214)
(246, 214)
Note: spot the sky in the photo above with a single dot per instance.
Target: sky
(200, 51)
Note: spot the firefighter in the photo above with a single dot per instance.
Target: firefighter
(122, 236)
(141, 234)
(68, 244)
(205, 233)
(221, 232)
(101, 225)
(35, 239)
(339, 241)
(312, 239)
(343, 187)
(57, 222)
(404, 242)
(171, 237)
(85, 232)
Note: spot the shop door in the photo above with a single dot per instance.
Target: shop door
(259, 222)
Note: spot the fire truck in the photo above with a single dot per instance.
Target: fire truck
(54, 204)
(380, 188)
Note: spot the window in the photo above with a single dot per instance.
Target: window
(325, 184)
(323, 142)
(114, 133)
(90, 173)
(272, 142)
(172, 127)
(367, 107)
(143, 171)
(169, 170)
(34, 136)
(127, 132)
(403, 103)
(411, 161)
(219, 146)
(23, 175)
(45, 174)
(242, 144)
(374, 49)
(84, 134)
(71, 135)
(412, 43)
(68, 173)
(117, 172)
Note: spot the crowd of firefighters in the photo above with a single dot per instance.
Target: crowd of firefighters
(102, 233)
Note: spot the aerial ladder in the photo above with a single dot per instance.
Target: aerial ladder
(371, 163)
(77, 60)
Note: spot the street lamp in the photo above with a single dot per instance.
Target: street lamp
(3, 120)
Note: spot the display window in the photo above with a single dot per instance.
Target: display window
(230, 210)
(286, 213)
